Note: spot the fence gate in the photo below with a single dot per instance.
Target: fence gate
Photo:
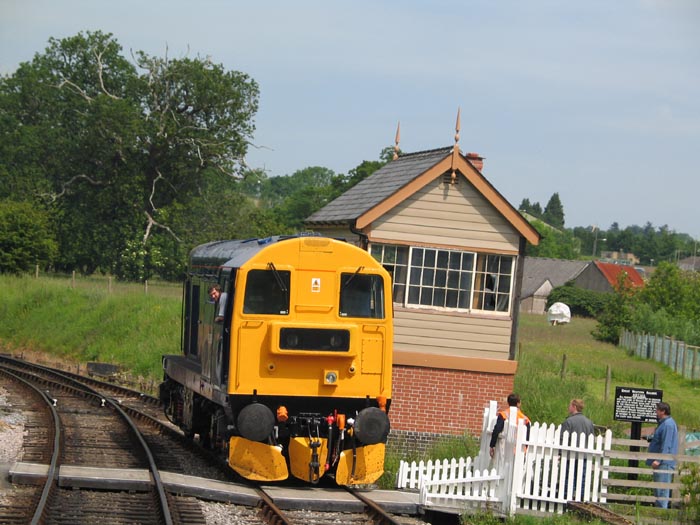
(539, 472)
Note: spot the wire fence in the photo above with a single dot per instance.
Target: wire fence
(684, 359)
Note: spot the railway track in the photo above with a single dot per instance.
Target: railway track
(169, 451)
(93, 431)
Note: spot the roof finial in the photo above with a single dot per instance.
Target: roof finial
(455, 150)
(457, 126)
(397, 140)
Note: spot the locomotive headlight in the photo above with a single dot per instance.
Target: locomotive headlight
(330, 377)
(292, 340)
(336, 341)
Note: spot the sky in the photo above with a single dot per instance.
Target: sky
(598, 101)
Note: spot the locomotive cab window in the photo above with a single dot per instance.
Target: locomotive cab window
(267, 292)
(361, 295)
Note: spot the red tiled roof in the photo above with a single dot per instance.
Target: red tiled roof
(612, 271)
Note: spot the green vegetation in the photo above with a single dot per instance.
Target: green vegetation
(651, 245)
(24, 241)
(669, 305)
(691, 487)
(581, 302)
(546, 393)
(120, 163)
(88, 323)
(559, 519)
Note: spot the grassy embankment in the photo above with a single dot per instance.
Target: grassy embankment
(129, 325)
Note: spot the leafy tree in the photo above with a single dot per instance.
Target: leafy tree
(618, 312)
(294, 197)
(581, 302)
(673, 290)
(533, 209)
(343, 183)
(554, 212)
(25, 237)
(557, 244)
(111, 151)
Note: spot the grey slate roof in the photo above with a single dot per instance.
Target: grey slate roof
(379, 186)
(536, 270)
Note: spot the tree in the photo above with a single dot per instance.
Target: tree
(554, 212)
(667, 289)
(110, 150)
(25, 237)
(295, 197)
(554, 243)
(533, 209)
(618, 311)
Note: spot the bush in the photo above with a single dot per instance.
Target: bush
(582, 303)
(25, 237)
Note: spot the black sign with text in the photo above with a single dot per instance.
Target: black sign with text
(637, 405)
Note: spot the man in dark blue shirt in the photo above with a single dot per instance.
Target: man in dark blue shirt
(664, 441)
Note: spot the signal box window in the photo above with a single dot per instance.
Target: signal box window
(361, 295)
(267, 292)
(448, 279)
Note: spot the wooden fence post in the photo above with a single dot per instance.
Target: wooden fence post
(36, 271)
(145, 286)
(562, 374)
(72, 280)
(608, 375)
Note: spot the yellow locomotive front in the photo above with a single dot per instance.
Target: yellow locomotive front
(299, 378)
(311, 362)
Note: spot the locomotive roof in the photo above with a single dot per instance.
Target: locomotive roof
(232, 254)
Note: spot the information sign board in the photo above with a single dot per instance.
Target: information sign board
(637, 405)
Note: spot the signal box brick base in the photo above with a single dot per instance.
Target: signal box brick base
(431, 403)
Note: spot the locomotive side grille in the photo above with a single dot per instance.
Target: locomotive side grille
(314, 339)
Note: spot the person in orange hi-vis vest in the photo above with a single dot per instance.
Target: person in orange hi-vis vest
(513, 401)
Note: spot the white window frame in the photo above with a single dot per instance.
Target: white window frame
(440, 265)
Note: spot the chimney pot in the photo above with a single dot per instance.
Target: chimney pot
(476, 160)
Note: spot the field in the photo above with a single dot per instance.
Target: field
(92, 320)
(546, 393)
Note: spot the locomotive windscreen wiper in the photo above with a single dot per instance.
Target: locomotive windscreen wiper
(346, 283)
(280, 281)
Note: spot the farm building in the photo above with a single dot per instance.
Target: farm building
(541, 275)
(603, 276)
(454, 246)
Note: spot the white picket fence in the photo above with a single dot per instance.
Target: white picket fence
(537, 473)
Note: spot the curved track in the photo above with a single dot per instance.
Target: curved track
(167, 449)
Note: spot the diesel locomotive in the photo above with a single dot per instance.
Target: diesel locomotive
(286, 358)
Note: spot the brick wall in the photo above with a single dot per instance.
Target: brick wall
(435, 401)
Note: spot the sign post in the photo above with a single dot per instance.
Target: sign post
(636, 405)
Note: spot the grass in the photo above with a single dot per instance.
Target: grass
(546, 393)
(88, 322)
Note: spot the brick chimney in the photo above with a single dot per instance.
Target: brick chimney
(476, 160)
